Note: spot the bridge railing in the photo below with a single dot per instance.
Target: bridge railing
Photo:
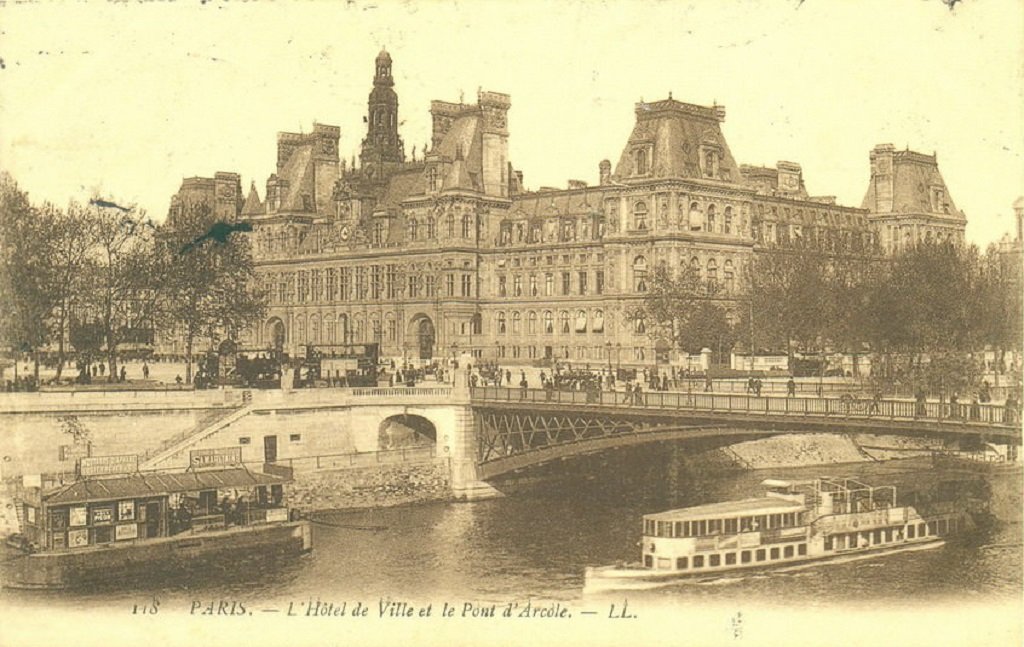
(763, 405)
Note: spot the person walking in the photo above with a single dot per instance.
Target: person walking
(523, 385)
(629, 394)
(124, 374)
(791, 388)
(145, 371)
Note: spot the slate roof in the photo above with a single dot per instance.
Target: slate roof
(253, 206)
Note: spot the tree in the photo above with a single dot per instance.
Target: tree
(127, 285)
(789, 297)
(685, 311)
(73, 235)
(27, 294)
(213, 289)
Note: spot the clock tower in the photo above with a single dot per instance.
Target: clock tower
(382, 144)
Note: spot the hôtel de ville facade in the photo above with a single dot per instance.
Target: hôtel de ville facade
(447, 252)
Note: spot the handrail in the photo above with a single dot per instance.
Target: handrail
(895, 410)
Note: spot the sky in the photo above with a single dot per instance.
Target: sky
(126, 99)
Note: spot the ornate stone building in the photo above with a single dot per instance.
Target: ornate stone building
(449, 253)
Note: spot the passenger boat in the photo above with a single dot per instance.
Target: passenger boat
(795, 525)
(139, 526)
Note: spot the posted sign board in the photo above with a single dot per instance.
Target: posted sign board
(101, 465)
(217, 457)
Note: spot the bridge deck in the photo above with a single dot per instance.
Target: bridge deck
(997, 421)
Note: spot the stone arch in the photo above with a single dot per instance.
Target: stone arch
(275, 333)
(405, 430)
(422, 335)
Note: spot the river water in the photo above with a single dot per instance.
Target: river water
(536, 542)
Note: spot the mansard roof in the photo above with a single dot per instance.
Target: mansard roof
(541, 204)
(677, 131)
(902, 182)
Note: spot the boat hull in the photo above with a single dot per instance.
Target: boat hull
(146, 560)
(615, 578)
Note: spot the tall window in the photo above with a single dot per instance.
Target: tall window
(727, 221)
(640, 325)
(727, 275)
(581, 321)
(599, 282)
(566, 280)
(303, 287)
(414, 229)
(502, 286)
(640, 215)
(346, 282)
(711, 218)
(531, 323)
(392, 330)
(415, 282)
(533, 285)
(431, 227)
(450, 221)
(449, 281)
(432, 178)
(517, 285)
(467, 285)
(379, 236)
(467, 226)
(391, 284)
(641, 162)
(549, 322)
(332, 284)
(582, 276)
(516, 321)
(563, 321)
(501, 323)
(695, 267)
(376, 281)
(712, 275)
(640, 274)
(549, 285)
(431, 286)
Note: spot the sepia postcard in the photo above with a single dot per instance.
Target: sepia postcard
(585, 322)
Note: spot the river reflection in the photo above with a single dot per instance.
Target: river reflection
(537, 542)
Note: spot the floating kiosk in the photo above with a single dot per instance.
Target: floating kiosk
(795, 525)
(114, 523)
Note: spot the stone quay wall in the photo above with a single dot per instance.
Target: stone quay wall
(372, 487)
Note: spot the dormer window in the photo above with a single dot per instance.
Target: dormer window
(642, 160)
(709, 161)
(432, 178)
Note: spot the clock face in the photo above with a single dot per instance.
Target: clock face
(344, 233)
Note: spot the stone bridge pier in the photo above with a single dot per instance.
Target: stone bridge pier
(462, 445)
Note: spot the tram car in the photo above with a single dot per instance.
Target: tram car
(338, 365)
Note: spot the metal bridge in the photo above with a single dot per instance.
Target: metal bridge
(518, 428)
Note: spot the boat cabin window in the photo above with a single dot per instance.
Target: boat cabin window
(648, 561)
(787, 551)
(698, 561)
(730, 559)
(775, 553)
(911, 531)
(681, 563)
(715, 560)
(801, 549)
(828, 542)
(730, 526)
(714, 527)
(760, 553)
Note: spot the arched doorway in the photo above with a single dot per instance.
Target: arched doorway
(405, 431)
(275, 333)
(422, 332)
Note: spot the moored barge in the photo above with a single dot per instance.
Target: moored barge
(139, 526)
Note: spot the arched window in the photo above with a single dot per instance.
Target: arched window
(450, 224)
(314, 329)
(431, 227)
(711, 218)
(344, 334)
(414, 228)
(549, 322)
(581, 321)
(549, 285)
(563, 321)
(640, 325)
(641, 161)
(695, 267)
(597, 322)
(727, 275)
(467, 226)
(476, 324)
(640, 215)
(640, 274)
(712, 275)
(516, 323)
(696, 217)
(501, 323)
(517, 286)
(727, 221)
(533, 285)
(531, 323)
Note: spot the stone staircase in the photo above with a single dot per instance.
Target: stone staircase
(175, 446)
